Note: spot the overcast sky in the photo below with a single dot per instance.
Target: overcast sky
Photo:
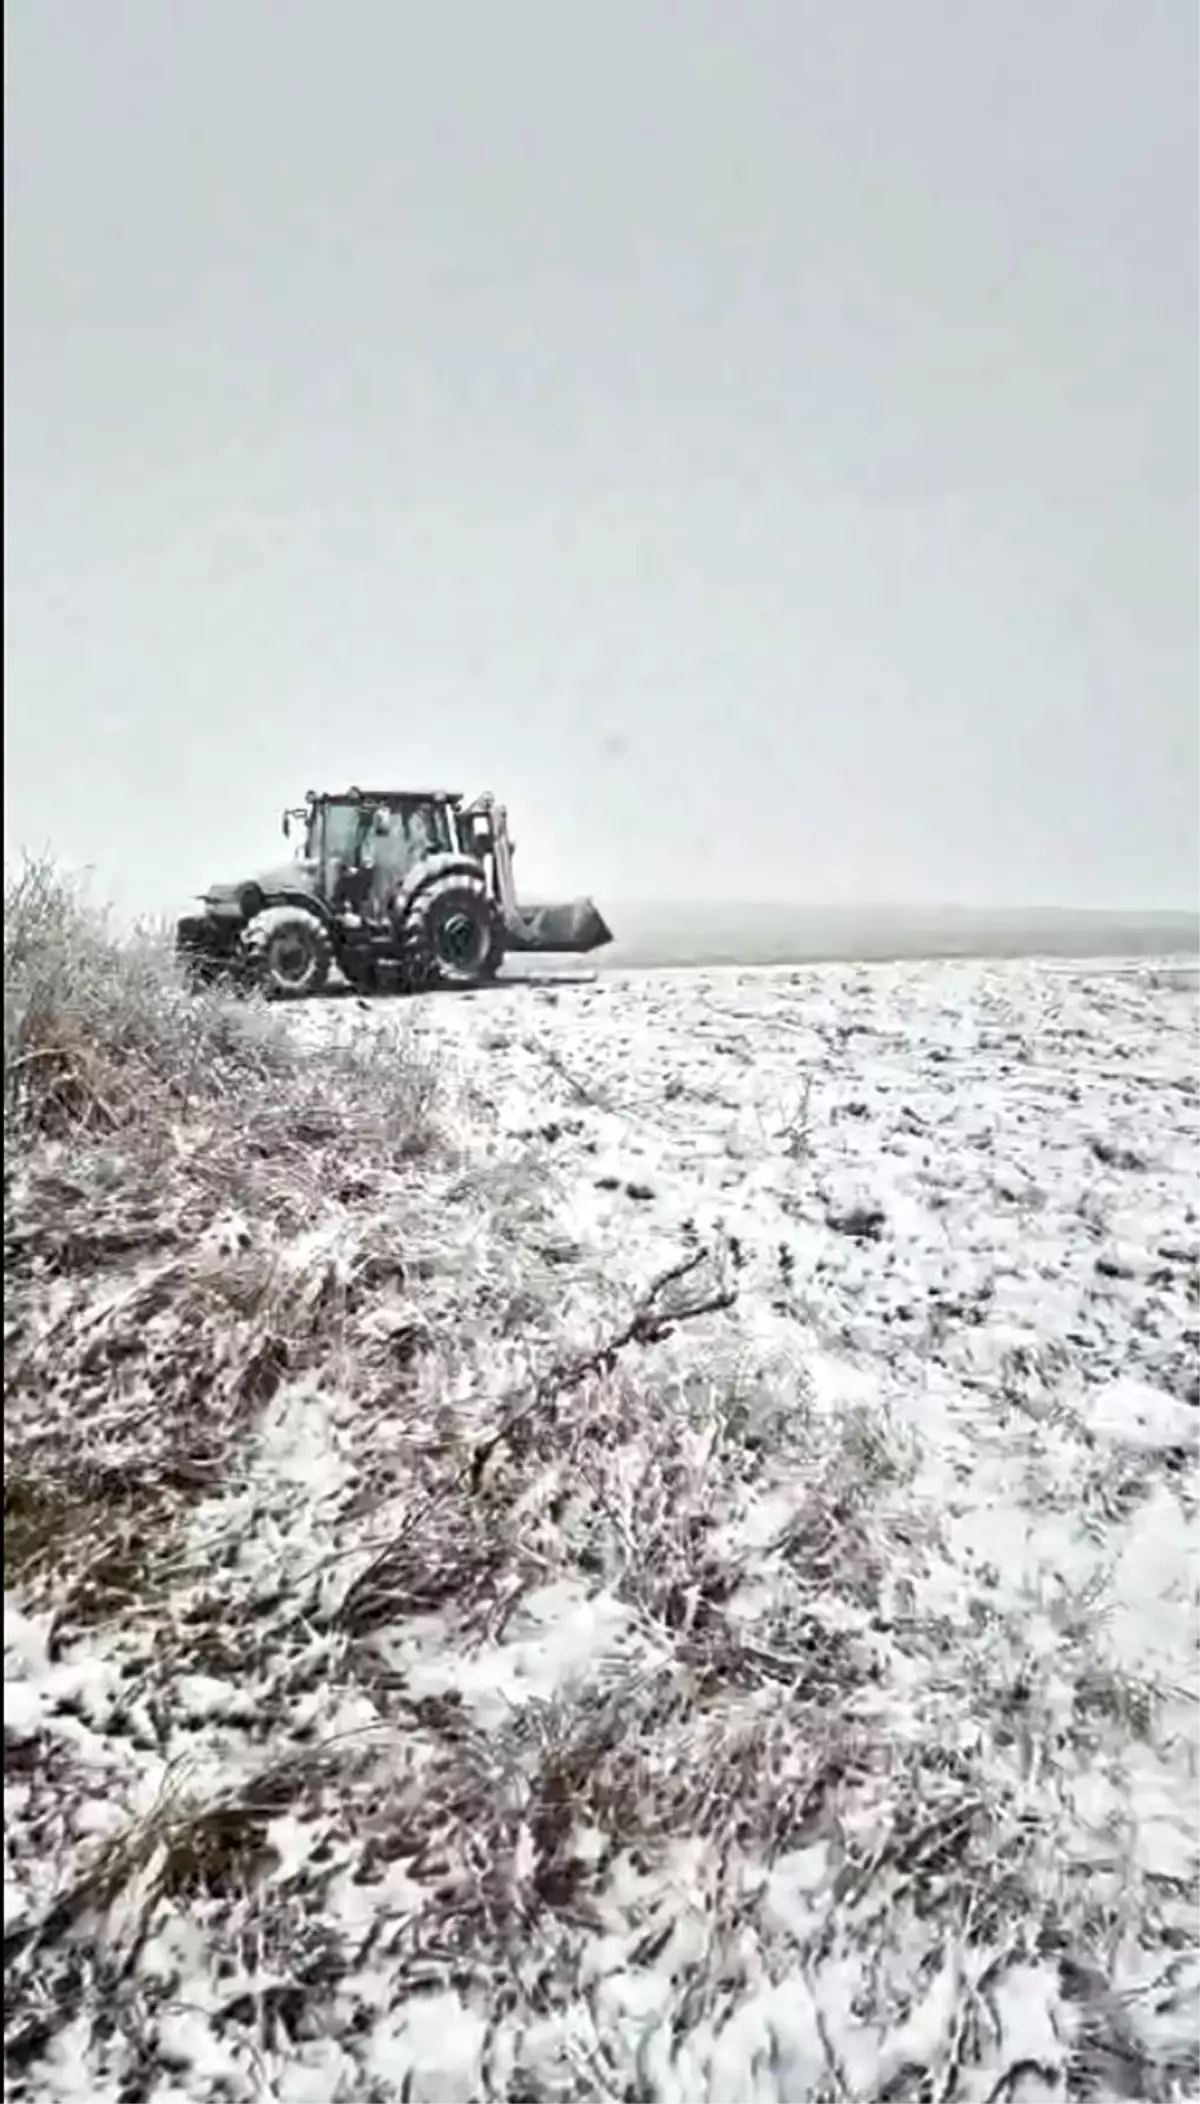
(757, 438)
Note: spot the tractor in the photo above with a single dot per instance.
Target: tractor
(395, 889)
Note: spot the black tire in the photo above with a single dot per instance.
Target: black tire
(453, 934)
(288, 952)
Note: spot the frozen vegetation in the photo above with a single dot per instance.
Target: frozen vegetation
(628, 1542)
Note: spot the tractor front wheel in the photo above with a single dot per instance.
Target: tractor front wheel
(289, 953)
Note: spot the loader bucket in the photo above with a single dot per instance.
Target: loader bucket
(572, 928)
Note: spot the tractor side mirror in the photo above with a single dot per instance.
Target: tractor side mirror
(287, 825)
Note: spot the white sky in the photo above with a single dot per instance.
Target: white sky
(758, 438)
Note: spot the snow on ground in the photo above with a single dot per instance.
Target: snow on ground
(717, 1624)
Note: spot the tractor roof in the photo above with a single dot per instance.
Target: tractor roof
(388, 796)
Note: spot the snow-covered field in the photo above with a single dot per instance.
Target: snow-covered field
(684, 1592)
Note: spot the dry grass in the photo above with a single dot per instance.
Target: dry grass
(99, 1033)
(193, 1220)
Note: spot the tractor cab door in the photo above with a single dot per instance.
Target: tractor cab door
(339, 853)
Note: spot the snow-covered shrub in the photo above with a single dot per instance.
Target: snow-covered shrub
(99, 1030)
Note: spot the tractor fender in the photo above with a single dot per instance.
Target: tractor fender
(301, 901)
(240, 903)
(430, 871)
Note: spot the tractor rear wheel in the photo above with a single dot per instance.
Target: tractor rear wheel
(289, 953)
(454, 934)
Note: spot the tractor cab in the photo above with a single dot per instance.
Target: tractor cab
(359, 845)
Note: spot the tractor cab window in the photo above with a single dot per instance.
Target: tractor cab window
(342, 832)
(385, 838)
(425, 830)
(418, 830)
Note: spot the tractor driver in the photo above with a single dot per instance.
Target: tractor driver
(419, 842)
(387, 854)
